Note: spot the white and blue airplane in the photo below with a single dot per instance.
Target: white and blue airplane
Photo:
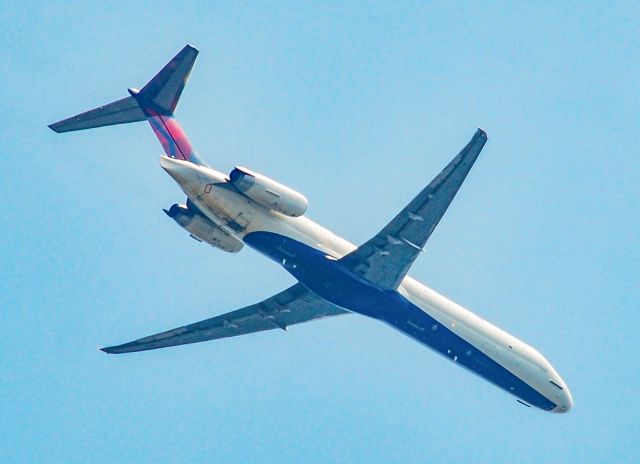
(334, 276)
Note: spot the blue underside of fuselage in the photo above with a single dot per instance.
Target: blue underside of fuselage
(331, 281)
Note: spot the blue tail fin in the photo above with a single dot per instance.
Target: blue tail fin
(165, 88)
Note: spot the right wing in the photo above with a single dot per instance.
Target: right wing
(292, 306)
(386, 258)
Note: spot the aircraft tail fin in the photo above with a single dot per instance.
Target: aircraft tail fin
(165, 88)
(155, 103)
(160, 94)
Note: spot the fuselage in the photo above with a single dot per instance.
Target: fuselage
(309, 252)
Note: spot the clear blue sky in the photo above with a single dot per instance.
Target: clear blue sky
(357, 106)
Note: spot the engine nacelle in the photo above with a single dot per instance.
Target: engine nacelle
(268, 192)
(203, 229)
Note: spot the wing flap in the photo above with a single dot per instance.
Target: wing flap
(292, 306)
(386, 258)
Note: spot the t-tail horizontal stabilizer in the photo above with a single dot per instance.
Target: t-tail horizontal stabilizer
(119, 112)
(156, 103)
(160, 94)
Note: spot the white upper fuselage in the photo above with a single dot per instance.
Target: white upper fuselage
(222, 205)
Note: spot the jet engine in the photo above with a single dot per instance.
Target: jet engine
(268, 192)
(202, 229)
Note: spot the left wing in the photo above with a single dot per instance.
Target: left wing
(386, 258)
(292, 306)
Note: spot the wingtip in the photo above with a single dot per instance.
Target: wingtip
(53, 127)
(482, 131)
(106, 350)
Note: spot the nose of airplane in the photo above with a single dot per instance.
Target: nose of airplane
(561, 394)
(558, 391)
(565, 403)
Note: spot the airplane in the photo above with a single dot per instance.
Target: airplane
(334, 277)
